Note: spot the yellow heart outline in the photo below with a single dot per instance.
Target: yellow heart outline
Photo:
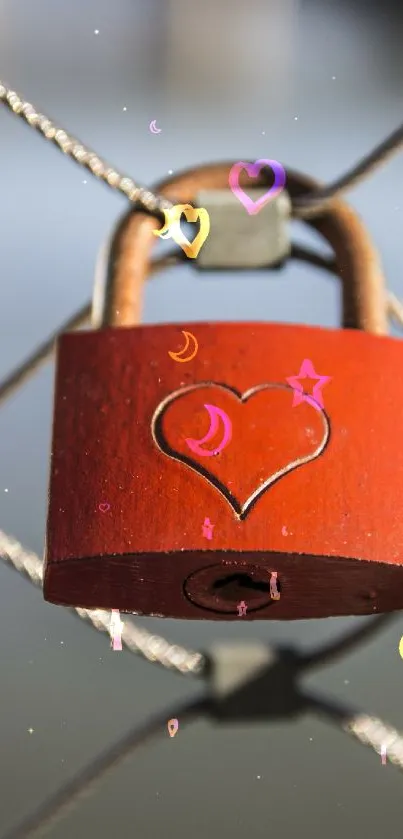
(191, 249)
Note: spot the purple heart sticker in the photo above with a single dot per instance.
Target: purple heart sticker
(253, 170)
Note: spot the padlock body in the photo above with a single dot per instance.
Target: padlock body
(310, 493)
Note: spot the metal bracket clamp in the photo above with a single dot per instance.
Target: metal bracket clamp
(240, 240)
(253, 681)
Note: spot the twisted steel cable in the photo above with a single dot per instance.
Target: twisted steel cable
(61, 804)
(152, 647)
(309, 205)
(83, 155)
(28, 367)
(79, 318)
(305, 206)
(371, 731)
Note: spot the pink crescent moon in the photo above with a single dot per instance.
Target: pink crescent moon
(215, 413)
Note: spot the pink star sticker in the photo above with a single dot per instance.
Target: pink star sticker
(308, 371)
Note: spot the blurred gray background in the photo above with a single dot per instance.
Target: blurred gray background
(314, 85)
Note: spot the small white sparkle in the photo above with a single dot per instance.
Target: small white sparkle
(31, 730)
(96, 31)
(6, 490)
(85, 182)
(263, 132)
(346, 681)
(295, 117)
(311, 738)
(62, 642)
(125, 109)
(170, 171)
(333, 78)
(258, 777)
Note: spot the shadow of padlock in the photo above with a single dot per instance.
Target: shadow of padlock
(309, 493)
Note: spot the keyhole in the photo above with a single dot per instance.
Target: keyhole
(240, 586)
(221, 588)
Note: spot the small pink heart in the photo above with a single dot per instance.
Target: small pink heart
(104, 508)
(253, 170)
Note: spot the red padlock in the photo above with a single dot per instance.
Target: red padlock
(310, 493)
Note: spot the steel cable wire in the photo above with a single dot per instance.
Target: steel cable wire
(137, 640)
(48, 347)
(61, 804)
(305, 206)
(313, 203)
(83, 155)
(341, 646)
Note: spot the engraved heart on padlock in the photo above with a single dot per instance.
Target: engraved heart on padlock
(260, 422)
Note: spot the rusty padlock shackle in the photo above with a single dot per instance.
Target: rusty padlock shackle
(356, 260)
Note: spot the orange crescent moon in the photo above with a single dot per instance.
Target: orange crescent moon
(175, 356)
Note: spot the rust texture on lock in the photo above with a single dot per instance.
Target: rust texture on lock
(311, 494)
